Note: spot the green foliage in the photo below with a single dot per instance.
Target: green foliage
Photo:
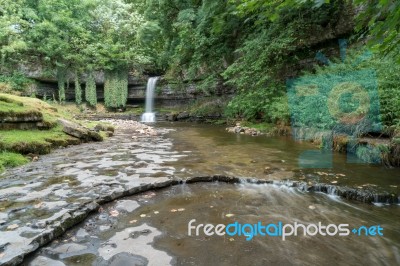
(380, 20)
(78, 90)
(373, 73)
(262, 55)
(62, 79)
(16, 80)
(197, 37)
(14, 22)
(78, 35)
(258, 105)
(116, 88)
(249, 45)
(207, 85)
(263, 127)
(369, 154)
(248, 105)
(279, 110)
(90, 90)
(208, 107)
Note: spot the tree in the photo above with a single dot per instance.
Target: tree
(16, 19)
(379, 21)
(90, 90)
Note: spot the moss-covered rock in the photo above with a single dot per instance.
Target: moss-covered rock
(79, 131)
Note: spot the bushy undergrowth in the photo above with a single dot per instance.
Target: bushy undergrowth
(378, 76)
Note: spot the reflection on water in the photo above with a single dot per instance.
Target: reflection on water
(153, 228)
(211, 150)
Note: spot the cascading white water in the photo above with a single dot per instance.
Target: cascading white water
(149, 116)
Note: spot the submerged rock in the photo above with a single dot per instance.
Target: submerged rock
(123, 259)
(127, 205)
(238, 129)
(67, 248)
(44, 261)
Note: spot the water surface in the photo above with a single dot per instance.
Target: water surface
(211, 150)
(153, 229)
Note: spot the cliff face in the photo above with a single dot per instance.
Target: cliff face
(165, 94)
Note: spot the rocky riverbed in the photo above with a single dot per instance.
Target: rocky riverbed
(151, 229)
(41, 200)
(238, 129)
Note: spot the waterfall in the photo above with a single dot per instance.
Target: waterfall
(149, 116)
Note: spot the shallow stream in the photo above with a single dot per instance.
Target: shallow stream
(38, 201)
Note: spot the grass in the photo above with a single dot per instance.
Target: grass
(51, 112)
(10, 159)
(38, 141)
(12, 136)
(262, 127)
(19, 106)
(13, 108)
(205, 107)
(34, 141)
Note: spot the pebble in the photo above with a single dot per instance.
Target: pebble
(12, 227)
(140, 129)
(238, 129)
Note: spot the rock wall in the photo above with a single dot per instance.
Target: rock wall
(165, 95)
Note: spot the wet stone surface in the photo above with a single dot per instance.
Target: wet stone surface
(44, 198)
(156, 232)
(40, 201)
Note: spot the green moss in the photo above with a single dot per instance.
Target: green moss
(105, 125)
(33, 141)
(164, 110)
(217, 122)
(209, 106)
(3, 98)
(263, 127)
(6, 107)
(10, 159)
(49, 134)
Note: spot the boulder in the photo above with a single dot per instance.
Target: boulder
(171, 117)
(79, 131)
(102, 127)
(183, 115)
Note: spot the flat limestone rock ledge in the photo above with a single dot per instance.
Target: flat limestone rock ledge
(46, 197)
(55, 228)
(79, 131)
(18, 247)
(19, 117)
